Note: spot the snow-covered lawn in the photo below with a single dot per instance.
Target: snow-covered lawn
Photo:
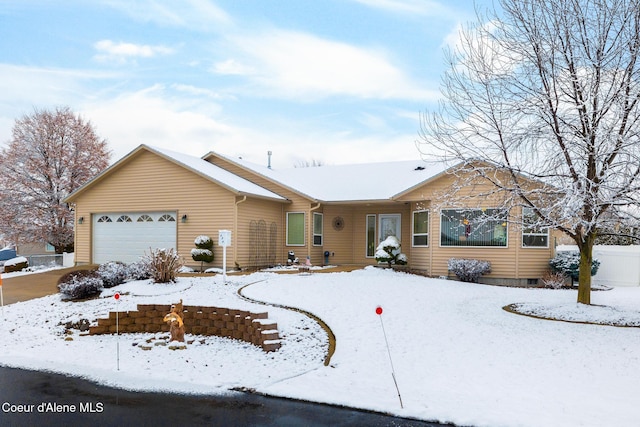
(458, 356)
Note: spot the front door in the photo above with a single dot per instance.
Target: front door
(390, 225)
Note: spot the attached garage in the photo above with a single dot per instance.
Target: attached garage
(126, 236)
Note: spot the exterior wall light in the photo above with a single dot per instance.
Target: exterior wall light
(81, 220)
(184, 218)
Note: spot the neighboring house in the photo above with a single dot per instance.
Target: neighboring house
(156, 198)
(36, 248)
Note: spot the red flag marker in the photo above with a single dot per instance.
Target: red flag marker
(393, 371)
(117, 296)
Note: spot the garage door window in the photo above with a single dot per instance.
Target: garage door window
(167, 217)
(124, 218)
(145, 218)
(105, 218)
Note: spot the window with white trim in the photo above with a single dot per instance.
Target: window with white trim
(317, 228)
(420, 235)
(533, 236)
(105, 218)
(295, 229)
(145, 218)
(473, 227)
(371, 236)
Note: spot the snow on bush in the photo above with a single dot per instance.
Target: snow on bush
(568, 263)
(389, 251)
(202, 251)
(113, 273)
(469, 270)
(80, 284)
(554, 279)
(15, 264)
(138, 270)
(163, 264)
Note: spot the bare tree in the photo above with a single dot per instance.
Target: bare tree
(51, 154)
(548, 90)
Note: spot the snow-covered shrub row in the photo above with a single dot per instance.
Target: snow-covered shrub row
(113, 273)
(139, 270)
(568, 262)
(16, 264)
(80, 284)
(469, 270)
(389, 251)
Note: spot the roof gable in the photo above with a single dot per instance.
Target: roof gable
(231, 182)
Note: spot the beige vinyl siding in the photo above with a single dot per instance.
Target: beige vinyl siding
(339, 242)
(511, 261)
(147, 182)
(258, 210)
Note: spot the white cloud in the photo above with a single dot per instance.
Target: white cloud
(201, 15)
(109, 51)
(419, 7)
(298, 65)
(232, 67)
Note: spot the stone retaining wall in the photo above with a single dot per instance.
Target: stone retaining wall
(254, 328)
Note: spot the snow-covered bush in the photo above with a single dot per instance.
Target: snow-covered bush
(389, 251)
(113, 273)
(202, 251)
(163, 264)
(553, 279)
(469, 270)
(138, 270)
(568, 263)
(80, 284)
(16, 264)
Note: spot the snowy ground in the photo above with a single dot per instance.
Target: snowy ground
(458, 356)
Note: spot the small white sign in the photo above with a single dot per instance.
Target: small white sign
(224, 238)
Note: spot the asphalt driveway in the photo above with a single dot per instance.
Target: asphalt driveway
(36, 285)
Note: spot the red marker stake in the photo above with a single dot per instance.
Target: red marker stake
(393, 372)
(117, 297)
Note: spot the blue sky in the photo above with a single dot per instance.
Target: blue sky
(337, 81)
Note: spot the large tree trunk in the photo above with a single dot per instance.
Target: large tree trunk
(584, 275)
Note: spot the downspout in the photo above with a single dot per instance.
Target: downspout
(310, 244)
(234, 238)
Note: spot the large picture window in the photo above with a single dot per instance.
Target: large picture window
(533, 236)
(420, 228)
(473, 227)
(317, 229)
(295, 228)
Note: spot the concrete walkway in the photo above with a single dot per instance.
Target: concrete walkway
(34, 285)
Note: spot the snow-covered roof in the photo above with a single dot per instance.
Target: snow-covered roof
(216, 173)
(354, 182)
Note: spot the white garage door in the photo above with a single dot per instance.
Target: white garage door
(128, 236)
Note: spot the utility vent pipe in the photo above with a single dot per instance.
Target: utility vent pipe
(269, 159)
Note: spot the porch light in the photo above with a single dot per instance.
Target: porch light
(184, 218)
(81, 220)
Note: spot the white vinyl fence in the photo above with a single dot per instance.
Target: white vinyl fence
(619, 265)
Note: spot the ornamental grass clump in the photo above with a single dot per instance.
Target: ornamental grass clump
(164, 265)
(80, 284)
(469, 270)
(202, 252)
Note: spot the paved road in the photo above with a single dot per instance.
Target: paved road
(45, 395)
